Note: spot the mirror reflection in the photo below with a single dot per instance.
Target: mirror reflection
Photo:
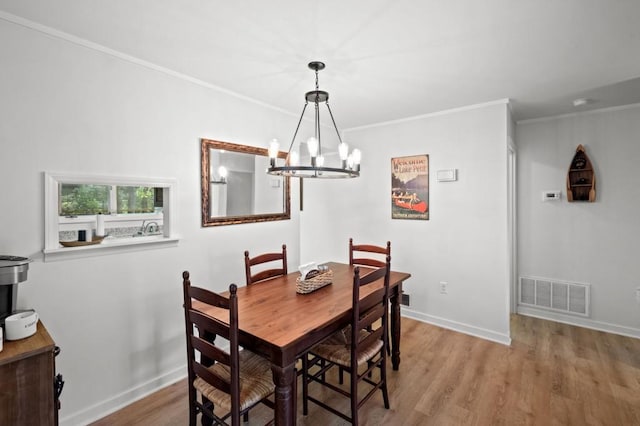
(236, 187)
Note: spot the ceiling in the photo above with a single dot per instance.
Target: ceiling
(386, 59)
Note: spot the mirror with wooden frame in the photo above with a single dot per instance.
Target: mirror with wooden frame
(236, 187)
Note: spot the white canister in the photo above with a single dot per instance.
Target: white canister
(100, 225)
(21, 325)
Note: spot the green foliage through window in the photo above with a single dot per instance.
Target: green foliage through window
(135, 199)
(82, 199)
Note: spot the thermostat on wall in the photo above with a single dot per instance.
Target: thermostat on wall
(550, 195)
(450, 175)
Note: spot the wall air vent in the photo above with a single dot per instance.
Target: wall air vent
(553, 295)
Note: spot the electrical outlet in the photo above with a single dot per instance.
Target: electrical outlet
(443, 287)
(405, 299)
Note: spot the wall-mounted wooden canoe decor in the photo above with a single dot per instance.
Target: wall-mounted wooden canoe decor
(581, 179)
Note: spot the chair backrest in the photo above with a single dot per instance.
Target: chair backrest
(376, 251)
(201, 329)
(265, 258)
(368, 311)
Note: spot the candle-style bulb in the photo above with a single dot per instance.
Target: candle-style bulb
(343, 150)
(274, 147)
(312, 146)
(222, 171)
(357, 156)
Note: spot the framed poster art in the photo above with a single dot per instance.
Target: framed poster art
(410, 187)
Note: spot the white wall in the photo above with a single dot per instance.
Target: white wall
(596, 243)
(465, 240)
(68, 108)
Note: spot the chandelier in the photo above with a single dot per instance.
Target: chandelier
(349, 166)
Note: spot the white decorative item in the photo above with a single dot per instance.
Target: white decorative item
(21, 325)
(100, 226)
(306, 268)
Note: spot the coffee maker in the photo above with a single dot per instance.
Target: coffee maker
(13, 270)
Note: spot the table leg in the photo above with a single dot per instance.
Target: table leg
(285, 398)
(395, 326)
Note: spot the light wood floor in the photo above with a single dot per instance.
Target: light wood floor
(552, 374)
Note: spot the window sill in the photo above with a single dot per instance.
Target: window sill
(109, 246)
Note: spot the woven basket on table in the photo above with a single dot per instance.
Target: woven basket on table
(314, 283)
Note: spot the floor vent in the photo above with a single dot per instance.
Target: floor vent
(559, 296)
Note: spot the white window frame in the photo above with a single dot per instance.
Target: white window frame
(54, 223)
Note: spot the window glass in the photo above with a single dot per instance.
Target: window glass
(83, 199)
(88, 199)
(135, 199)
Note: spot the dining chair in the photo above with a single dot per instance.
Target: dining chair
(232, 382)
(265, 274)
(359, 351)
(379, 254)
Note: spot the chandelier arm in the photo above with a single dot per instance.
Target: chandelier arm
(334, 122)
(297, 128)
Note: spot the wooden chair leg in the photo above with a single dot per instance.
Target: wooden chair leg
(305, 384)
(383, 378)
(295, 390)
(193, 411)
(206, 420)
(192, 415)
(354, 395)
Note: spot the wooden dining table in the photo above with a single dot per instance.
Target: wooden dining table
(281, 325)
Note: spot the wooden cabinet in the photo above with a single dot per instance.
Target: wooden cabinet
(27, 375)
(581, 178)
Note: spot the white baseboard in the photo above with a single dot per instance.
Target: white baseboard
(457, 326)
(580, 322)
(104, 408)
